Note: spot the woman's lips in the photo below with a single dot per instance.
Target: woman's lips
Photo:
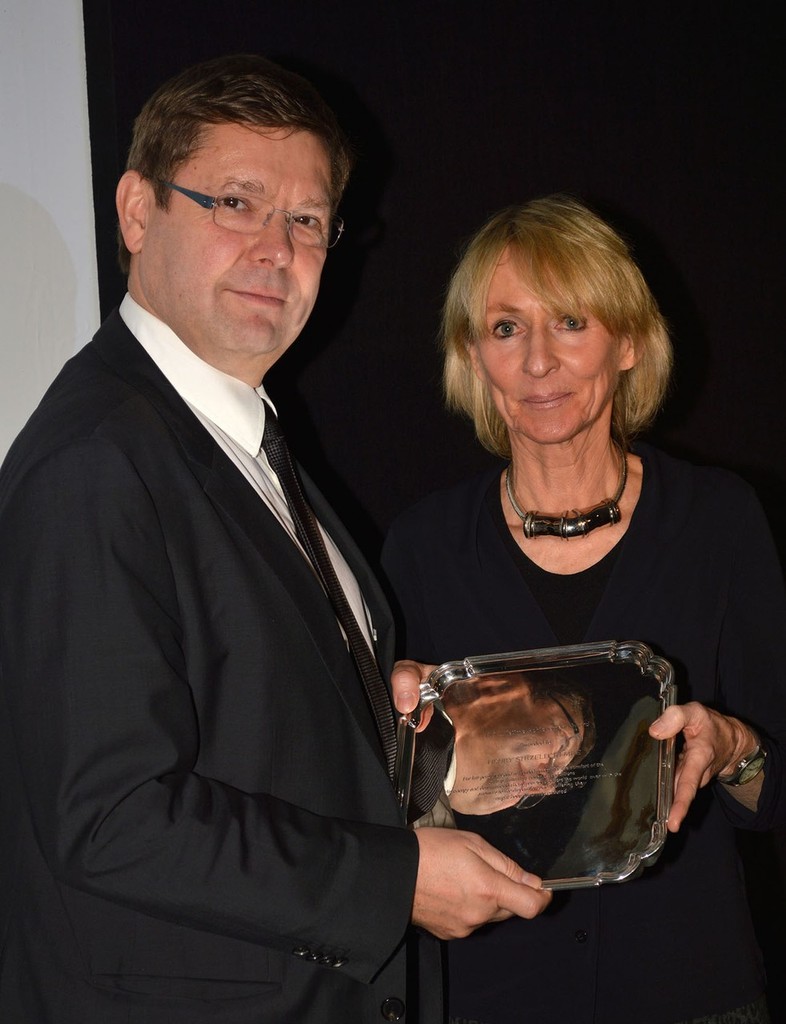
(545, 401)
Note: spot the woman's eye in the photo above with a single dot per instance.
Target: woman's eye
(573, 323)
(504, 329)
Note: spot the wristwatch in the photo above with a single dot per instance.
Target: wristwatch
(747, 769)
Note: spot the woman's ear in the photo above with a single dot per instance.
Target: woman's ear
(628, 357)
(474, 360)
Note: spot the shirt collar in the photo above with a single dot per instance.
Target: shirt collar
(231, 404)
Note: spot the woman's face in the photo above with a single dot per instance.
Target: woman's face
(551, 377)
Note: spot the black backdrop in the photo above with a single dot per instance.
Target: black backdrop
(668, 118)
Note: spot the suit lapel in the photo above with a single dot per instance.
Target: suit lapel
(227, 489)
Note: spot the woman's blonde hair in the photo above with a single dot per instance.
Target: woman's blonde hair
(575, 263)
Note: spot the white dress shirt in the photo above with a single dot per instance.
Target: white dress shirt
(234, 414)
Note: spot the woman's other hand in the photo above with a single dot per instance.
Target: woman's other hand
(713, 744)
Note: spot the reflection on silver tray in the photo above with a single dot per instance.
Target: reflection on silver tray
(551, 757)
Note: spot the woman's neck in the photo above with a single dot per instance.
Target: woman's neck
(562, 477)
(562, 485)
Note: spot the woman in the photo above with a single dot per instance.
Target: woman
(555, 347)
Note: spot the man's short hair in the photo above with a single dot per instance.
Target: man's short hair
(243, 89)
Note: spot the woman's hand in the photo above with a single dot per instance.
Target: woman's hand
(405, 683)
(713, 745)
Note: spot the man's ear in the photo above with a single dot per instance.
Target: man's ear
(133, 199)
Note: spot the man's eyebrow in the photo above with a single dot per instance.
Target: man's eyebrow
(253, 186)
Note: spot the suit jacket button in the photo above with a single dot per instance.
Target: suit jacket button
(301, 951)
(392, 1009)
(333, 960)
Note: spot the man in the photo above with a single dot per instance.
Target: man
(198, 817)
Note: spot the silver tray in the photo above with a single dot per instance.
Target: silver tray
(550, 758)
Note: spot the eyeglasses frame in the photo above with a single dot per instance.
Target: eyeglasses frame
(211, 203)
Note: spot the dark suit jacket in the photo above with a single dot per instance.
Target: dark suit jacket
(196, 820)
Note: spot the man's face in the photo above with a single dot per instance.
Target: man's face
(237, 300)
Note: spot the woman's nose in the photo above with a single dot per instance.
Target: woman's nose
(539, 354)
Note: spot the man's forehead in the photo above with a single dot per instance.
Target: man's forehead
(230, 143)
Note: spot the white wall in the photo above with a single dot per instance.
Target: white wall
(48, 282)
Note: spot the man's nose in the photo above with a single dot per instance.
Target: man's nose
(273, 242)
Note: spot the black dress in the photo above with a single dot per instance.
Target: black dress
(697, 578)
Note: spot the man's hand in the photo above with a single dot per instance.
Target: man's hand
(463, 883)
(713, 744)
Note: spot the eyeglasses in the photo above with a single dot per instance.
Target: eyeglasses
(570, 718)
(249, 215)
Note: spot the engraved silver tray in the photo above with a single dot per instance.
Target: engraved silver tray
(550, 758)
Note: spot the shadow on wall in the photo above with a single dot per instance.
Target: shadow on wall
(38, 299)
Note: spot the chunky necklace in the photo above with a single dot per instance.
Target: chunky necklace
(571, 523)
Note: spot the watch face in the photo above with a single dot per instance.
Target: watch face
(752, 769)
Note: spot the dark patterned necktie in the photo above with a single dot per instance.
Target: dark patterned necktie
(309, 535)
